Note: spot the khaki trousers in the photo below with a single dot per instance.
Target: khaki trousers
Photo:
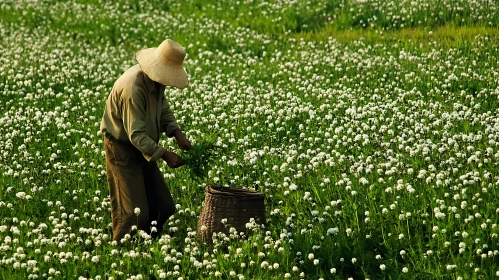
(135, 183)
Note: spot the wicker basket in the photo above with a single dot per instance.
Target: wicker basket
(238, 206)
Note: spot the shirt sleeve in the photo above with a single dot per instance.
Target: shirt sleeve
(168, 121)
(134, 122)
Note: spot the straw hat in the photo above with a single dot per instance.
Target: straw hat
(164, 64)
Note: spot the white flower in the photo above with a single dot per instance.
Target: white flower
(21, 195)
(332, 231)
(405, 270)
(382, 266)
(136, 211)
(264, 264)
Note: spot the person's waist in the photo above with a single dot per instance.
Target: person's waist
(110, 137)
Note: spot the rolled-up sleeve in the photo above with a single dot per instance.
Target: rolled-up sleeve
(168, 121)
(134, 122)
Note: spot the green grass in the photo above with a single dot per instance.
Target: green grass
(449, 36)
(371, 131)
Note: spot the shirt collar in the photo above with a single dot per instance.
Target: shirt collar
(150, 85)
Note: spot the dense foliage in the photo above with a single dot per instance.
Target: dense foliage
(378, 159)
(202, 157)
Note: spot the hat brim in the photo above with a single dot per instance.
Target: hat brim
(165, 74)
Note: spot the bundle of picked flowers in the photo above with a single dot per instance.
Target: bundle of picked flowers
(202, 156)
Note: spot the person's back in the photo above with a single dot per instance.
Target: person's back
(112, 117)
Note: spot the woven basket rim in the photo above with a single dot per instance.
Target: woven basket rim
(231, 191)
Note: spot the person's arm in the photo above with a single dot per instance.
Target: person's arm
(134, 122)
(171, 128)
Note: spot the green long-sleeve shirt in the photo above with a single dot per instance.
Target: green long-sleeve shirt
(137, 112)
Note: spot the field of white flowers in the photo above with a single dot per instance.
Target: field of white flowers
(378, 160)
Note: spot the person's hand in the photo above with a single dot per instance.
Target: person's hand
(182, 142)
(172, 159)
